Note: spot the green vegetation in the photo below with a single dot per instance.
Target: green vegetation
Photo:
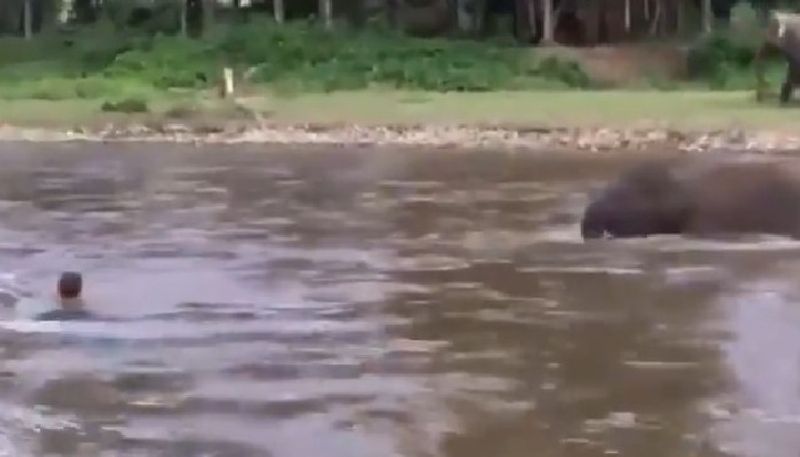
(127, 105)
(724, 60)
(118, 60)
(100, 62)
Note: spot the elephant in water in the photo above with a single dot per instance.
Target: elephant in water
(783, 35)
(662, 197)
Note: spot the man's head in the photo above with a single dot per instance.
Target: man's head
(70, 285)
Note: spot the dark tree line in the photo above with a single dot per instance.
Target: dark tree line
(531, 21)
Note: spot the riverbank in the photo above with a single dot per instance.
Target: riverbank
(551, 120)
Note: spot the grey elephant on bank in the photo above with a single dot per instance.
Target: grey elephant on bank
(783, 35)
(703, 200)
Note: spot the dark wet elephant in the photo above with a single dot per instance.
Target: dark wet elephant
(783, 35)
(702, 200)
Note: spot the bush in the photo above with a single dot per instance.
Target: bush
(725, 58)
(352, 60)
(331, 61)
(157, 16)
(128, 105)
(714, 52)
(299, 55)
(69, 88)
(166, 62)
(568, 72)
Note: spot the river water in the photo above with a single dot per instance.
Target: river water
(302, 302)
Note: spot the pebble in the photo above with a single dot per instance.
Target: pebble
(595, 140)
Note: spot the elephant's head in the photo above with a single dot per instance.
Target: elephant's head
(646, 200)
(781, 25)
(783, 35)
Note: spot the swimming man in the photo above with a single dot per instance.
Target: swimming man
(71, 305)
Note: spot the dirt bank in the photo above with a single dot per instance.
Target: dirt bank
(626, 64)
(466, 136)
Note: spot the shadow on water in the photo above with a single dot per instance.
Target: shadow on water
(366, 302)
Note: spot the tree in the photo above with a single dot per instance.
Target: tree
(84, 11)
(392, 8)
(708, 16)
(326, 12)
(532, 19)
(27, 18)
(279, 11)
(184, 13)
(547, 13)
(627, 17)
(208, 15)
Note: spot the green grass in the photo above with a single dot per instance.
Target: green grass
(685, 110)
(619, 109)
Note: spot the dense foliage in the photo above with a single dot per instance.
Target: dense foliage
(299, 56)
(126, 44)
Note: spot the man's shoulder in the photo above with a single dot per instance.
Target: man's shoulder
(63, 315)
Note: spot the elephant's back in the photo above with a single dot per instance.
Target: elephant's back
(746, 197)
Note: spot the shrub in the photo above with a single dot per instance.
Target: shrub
(127, 105)
(299, 55)
(566, 71)
(725, 59)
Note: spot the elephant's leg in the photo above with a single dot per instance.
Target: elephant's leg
(788, 85)
(786, 91)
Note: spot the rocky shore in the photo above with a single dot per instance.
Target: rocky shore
(463, 136)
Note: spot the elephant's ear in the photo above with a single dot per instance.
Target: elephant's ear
(783, 29)
(777, 26)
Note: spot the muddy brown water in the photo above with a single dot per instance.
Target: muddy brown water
(356, 302)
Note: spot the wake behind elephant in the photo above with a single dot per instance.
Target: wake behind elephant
(708, 199)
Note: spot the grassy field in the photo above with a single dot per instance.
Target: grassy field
(685, 110)
(701, 109)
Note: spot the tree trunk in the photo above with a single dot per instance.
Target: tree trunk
(532, 18)
(708, 16)
(238, 13)
(208, 15)
(326, 13)
(392, 7)
(358, 13)
(279, 10)
(27, 18)
(627, 17)
(475, 21)
(656, 24)
(65, 11)
(453, 23)
(549, 32)
(184, 12)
